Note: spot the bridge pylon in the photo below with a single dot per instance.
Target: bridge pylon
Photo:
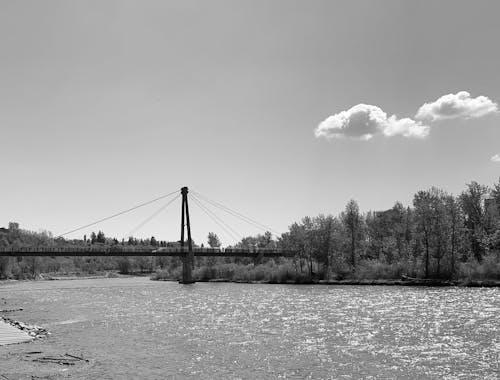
(187, 257)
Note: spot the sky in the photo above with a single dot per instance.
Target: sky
(278, 109)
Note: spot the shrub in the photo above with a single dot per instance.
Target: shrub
(488, 269)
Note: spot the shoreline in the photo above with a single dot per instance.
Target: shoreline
(10, 334)
(364, 282)
(416, 282)
(15, 332)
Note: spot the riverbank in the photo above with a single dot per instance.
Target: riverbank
(302, 281)
(365, 273)
(13, 331)
(11, 335)
(74, 276)
(416, 282)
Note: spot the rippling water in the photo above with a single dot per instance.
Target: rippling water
(136, 328)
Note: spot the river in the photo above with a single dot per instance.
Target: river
(134, 328)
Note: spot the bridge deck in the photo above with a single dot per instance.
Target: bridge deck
(78, 252)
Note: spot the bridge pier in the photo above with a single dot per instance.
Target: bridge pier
(187, 272)
(188, 257)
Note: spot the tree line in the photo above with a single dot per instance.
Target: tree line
(439, 236)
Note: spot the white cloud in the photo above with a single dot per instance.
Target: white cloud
(364, 121)
(496, 158)
(459, 105)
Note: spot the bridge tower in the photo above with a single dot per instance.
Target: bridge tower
(187, 257)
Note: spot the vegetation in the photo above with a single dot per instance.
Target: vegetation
(440, 236)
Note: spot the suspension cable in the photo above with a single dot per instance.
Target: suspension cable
(237, 214)
(119, 213)
(152, 216)
(228, 229)
(218, 217)
(214, 218)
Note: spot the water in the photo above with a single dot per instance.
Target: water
(136, 328)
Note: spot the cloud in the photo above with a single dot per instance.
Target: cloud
(364, 121)
(454, 106)
(496, 158)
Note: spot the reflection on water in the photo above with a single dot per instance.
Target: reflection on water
(136, 328)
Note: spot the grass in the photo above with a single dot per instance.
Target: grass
(267, 272)
(285, 272)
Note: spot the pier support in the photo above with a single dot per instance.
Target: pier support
(187, 257)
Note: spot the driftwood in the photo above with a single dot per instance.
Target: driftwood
(62, 361)
(66, 359)
(10, 310)
(408, 278)
(77, 357)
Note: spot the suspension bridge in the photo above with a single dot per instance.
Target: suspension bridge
(184, 249)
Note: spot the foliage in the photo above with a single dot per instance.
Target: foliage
(440, 237)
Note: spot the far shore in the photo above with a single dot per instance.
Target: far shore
(384, 282)
(364, 282)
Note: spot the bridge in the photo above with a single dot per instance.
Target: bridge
(185, 250)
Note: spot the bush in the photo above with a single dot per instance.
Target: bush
(488, 269)
(124, 265)
(265, 272)
(375, 270)
(167, 274)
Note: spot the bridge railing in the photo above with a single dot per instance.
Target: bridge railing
(135, 251)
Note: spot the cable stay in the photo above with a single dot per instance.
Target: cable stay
(227, 229)
(236, 214)
(151, 217)
(218, 218)
(119, 213)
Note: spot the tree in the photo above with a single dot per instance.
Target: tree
(437, 225)
(265, 241)
(495, 195)
(494, 211)
(325, 227)
(455, 221)
(440, 226)
(471, 201)
(124, 265)
(13, 226)
(352, 222)
(5, 265)
(422, 202)
(101, 238)
(213, 240)
(308, 225)
(295, 239)
(153, 241)
(388, 233)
